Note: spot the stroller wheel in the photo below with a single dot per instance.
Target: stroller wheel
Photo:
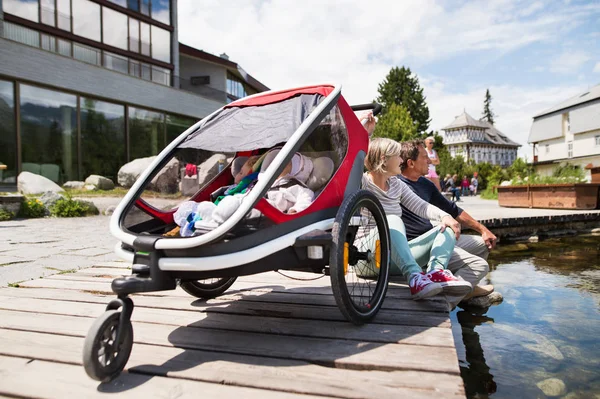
(103, 358)
(207, 289)
(359, 257)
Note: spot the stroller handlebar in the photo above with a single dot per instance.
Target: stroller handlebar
(363, 107)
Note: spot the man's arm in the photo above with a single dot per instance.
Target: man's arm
(488, 237)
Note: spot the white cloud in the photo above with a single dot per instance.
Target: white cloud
(570, 62)
(597, 68)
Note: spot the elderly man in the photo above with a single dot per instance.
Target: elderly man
(470, 253)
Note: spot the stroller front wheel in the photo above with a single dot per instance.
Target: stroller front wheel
(103, 357)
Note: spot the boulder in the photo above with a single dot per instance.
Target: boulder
(130, 172)
(49, 198)
(208, 169)
(93, 209)
(30, 183)
(90, 187)
(74, 185)
(484, 301)
(167, 180)
(552, 387)
(101, 182)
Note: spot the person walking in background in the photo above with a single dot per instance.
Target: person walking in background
(464, 185)
(435, 160)
(474, 183)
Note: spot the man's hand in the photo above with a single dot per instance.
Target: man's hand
(449, 221)
(489, 238)
(369, 122)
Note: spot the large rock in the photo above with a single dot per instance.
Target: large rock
(74, 185)
(30, 183)
(167, 180)
(208, 169)
(101, 182)
(130, 172)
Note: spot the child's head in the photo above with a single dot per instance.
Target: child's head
(242, 167)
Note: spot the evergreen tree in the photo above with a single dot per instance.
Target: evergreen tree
(402, 87)
(488, 115)
(396, 124)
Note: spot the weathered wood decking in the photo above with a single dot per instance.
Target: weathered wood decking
(267, 337)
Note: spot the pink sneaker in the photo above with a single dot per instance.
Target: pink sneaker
(422, 287)
(450, 284)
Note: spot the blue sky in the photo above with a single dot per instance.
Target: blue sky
(530, 54)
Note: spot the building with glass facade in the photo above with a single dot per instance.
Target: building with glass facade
(88, 85)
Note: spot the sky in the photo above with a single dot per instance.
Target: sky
(531, 55)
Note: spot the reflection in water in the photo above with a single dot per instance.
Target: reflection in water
(542, 341)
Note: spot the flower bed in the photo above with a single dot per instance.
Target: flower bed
(554, 196)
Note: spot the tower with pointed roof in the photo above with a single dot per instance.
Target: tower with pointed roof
(479, 140)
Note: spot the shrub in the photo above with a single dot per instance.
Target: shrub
(33, 208)
(68, 208)
(6, 215)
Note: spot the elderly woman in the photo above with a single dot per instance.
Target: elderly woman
(383, 166)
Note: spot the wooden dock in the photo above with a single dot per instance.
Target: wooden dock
(268, 336)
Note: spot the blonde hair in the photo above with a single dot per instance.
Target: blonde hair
(380, 150)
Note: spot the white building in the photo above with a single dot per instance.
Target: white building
(479, 140)
(569, 132)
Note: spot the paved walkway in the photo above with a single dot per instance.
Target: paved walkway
(33, 248)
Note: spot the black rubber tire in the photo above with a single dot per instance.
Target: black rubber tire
(203, 290)
(341, 233)
(104, 327)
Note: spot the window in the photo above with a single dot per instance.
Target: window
(63, 14)
(145, 38)
(116, 62)
(177, 125)
(161, 44)
(134, 35)
(102, 138)
(146, 133)
(21, 34)
(49, 133)
(27, 9)
(48, 42)
(8, 134)
(122, 3)
(235, 87)
(597, 139)
(547, 148)
(145, 7)
(570, 149)
(160, 11)
(86, 19)
(133, 5)
(86, 54)
(64, 47)
(114, 28)
(161, 75)
(47, 12)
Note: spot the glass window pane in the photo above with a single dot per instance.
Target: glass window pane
(161, 11)
(114, 28)
(133, 5)
(116, 62)
(145, 7)
(64, 14)
(146, 72)
(134, 35)
(48, 42)
(47, 11)
(146, 133)
(145, 38)
(8, 135)
(21, 34)
(86, 54)
(102, 138)
(49, 133)
(27, 9)
(86, 19)
(134, 68)
(177, 125)
(64, 47)
(161, 75)
(161, 44)
(122, 3)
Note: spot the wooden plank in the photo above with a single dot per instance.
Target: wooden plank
(56, 380)
(240, 370)
(306, 328)
(329, 352)
(269, 309)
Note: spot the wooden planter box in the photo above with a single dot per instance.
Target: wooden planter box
(556, 196)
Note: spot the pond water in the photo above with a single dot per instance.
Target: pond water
(544, 339)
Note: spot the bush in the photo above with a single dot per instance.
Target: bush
(5, 215)
(33, 208)
(68, 208)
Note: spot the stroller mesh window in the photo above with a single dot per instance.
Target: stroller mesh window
(330, 138)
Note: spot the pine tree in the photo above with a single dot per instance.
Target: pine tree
(402, 87)
(396, 124)
(488, 115)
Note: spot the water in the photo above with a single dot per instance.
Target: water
(548, 326)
